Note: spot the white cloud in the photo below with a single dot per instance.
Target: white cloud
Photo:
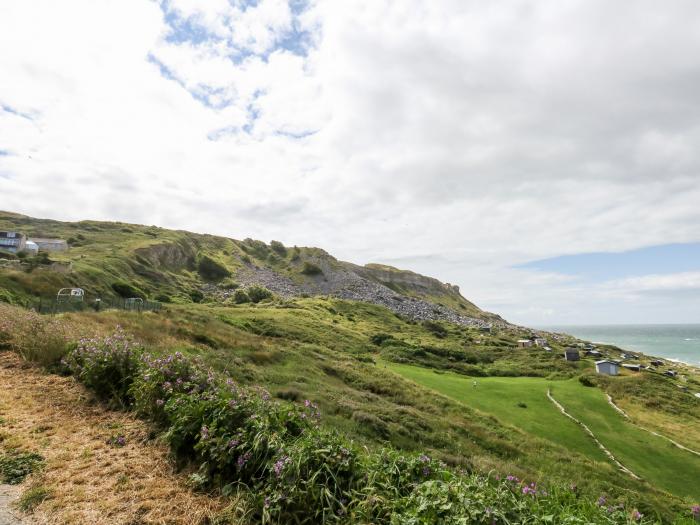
(460, 137)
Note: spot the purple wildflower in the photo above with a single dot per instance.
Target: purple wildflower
(242, 460)
(279, 465)
(160, 402)
(204, 433)
(601, 501)
(695, 511)
(636, 515)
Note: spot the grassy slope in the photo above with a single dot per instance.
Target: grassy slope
(321, 349)
(651, 457)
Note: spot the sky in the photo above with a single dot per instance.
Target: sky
(544, 156)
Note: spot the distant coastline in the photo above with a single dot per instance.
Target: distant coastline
(675, 342)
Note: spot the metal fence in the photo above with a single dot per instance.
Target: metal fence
(52, 306)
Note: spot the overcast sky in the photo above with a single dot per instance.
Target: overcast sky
(545, 156)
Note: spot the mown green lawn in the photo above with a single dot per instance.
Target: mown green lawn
(500, 396)
(654, 459)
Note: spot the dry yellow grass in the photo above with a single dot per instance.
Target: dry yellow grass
(90, 481)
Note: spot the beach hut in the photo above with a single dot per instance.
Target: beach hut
(606, 367)
(572, 354)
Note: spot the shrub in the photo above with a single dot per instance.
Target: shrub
(379, 339)
(163, 298)
(211, 270)
(126, 290)
(258, 293)
(310, 268)
(278, 248)
(240, 297)
(586, 380)
(107, 365)
(196, 296)
(163, 378)
(228, 284)
(436, 329)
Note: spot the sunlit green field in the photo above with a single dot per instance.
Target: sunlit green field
(654, 459)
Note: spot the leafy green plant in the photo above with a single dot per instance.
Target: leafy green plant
(310, 268)
(278, 248)
(211, 270)
(436, 329)
(241, 297)
(15, 466)
(258, 293)
(107, 365)
(163, 298)
(196, 296)
(126, 290)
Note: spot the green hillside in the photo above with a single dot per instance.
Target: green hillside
(304, 325)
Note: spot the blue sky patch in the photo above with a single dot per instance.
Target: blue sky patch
(660, 259)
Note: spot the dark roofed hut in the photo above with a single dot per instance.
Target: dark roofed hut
(572, 354)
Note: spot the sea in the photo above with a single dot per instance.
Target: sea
(679, 342)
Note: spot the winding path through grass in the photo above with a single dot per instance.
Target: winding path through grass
(522, 402)
(592, 435)
(624, 414)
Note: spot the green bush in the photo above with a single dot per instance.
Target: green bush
(586, 380)
(278, 248)
(163, 298)
(310, 268)
(436, 329)
(196, 296)
(126, 290)
(380, 339)
(107, 365)
(165, 378)
(240, 297)
(228, 284)
(211, 270)
(258, 293)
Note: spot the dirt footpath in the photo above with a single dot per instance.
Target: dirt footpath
(86, 479)
(8, 495)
